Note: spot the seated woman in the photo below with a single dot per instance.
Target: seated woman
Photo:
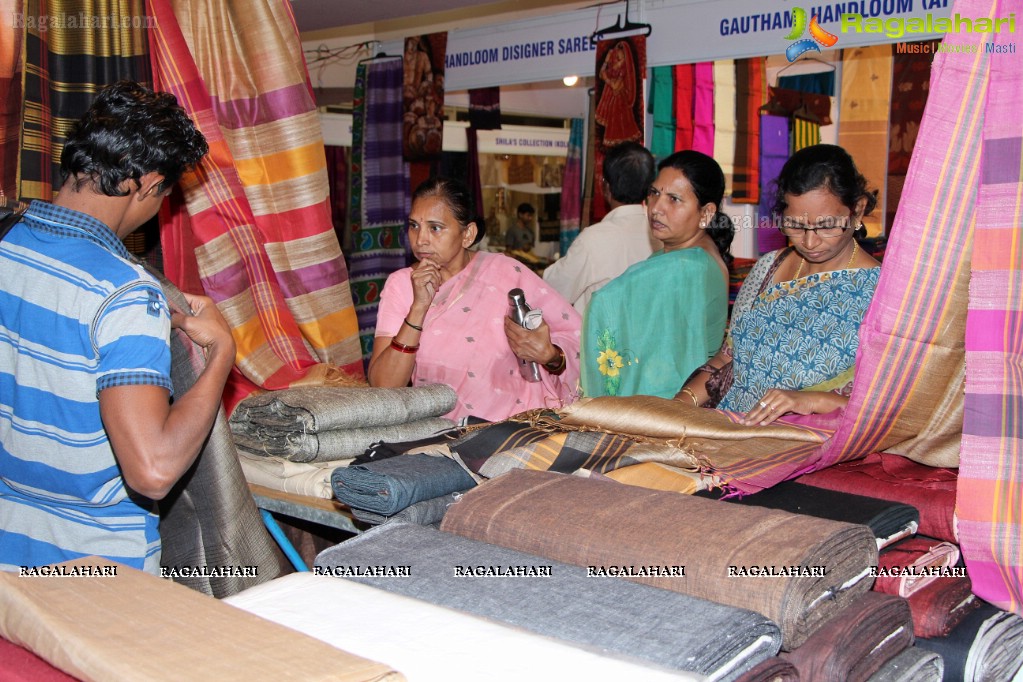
(445, 319)
(795, 324)
(649, 328)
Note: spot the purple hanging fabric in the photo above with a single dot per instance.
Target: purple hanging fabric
(774, 152)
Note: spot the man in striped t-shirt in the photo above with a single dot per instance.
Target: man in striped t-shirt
(88, 436)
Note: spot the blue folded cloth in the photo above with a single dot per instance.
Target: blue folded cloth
(389, 486)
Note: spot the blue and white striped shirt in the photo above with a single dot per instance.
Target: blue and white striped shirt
(76, 316)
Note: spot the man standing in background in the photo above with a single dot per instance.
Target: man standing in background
(521, 236)
(604, 250)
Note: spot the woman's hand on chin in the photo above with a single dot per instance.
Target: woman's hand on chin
(426, 280)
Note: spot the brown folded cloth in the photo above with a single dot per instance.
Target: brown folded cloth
(774, 669)
(909, 563)
(796, 570)
(941, 606)
(857, 642)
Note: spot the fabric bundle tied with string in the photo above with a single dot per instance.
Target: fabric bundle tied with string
(796, 570)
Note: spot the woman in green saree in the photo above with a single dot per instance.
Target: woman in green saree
(794, 332)
(648, 329)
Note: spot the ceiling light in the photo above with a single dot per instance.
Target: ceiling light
(570, 80)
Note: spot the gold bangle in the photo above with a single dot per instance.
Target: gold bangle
(688, 391)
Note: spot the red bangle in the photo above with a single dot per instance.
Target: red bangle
(558, 365)
(402, 348)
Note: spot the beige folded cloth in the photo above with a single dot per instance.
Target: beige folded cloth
(135, 626)
(311, 479)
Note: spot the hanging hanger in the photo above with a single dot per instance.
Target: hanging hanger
(619, 27)
(830, 65)
(378, 56)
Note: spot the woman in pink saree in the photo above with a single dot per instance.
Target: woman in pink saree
(445, 319)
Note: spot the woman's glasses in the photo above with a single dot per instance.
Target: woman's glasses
(828, 228)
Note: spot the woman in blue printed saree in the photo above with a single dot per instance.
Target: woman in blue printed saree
(794, 332)
(648, 329)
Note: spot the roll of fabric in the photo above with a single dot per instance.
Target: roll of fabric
(912, 665)
(909, 566)
(857, 642)
(334, 444)
(889, 521)
(774, 669)
(728, 550)
(942, 605)
(389, 486)
(932, 490)
(617, 616)
(987, 645)
(315, 409)
(426, 513)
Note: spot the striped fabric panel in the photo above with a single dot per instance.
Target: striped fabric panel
(65, 66)
(910, 338)
(381, 178)
(863, 116)
(774, 152)
(685, 87)
(750, 95)
(804, 133)
(662, 108)
(572, 187)
(724, 119)
(989, 504)
(703, 107)
(260, 210)
(11, 39)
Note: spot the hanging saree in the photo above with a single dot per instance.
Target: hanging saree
(258, 207)
(797, 335)
(648, 329)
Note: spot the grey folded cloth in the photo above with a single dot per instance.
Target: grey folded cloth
(315, 409)
(393, 484)
(326, 446)
(613, 615)
(912, 665)
(425, 513)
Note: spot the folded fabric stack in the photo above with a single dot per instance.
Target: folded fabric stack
(395, 484)
(774, 669)
(322, 424)
(554, 599)
(309, 479)
(504, 446)
(796, 570)
(941, 605)
(987, 645)
(890, 521)
(425, 641)
(425, 513)
(857, 642)
(932, 490)
(912, 665)
(912, 564)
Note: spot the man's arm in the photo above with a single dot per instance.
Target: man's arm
(155, 442)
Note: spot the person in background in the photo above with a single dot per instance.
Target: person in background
(648, 329)
(89, 438)
(445, 319)
(791, 345)
(522, 235)
(604, 250)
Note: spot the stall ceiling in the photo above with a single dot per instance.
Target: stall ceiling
(319, 18)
